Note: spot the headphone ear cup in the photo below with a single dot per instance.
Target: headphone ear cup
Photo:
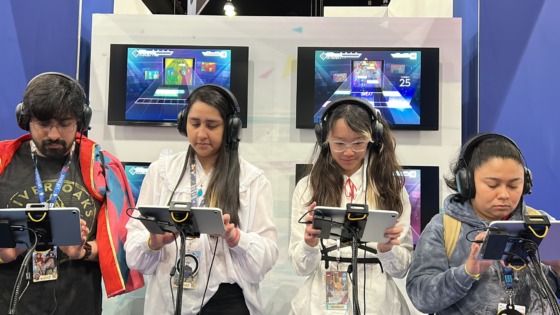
(181, 122)
(87, 118)
(234, 125)
(464, 184)
(22, 118)
(377, 135)
(319, 133)
(527, 182)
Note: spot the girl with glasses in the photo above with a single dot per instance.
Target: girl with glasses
(354, 161)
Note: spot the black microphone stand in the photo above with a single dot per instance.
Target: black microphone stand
(179, 298)
(354, 264)
(186, 227)
(548, 292)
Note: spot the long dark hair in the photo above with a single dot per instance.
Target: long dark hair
(223, 187)
(384, 180)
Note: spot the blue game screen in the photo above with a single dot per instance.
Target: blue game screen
(150, 84)
(402, 83)
(159, 80)
(389, 80)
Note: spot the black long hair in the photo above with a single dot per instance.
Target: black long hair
(223, 187)
(384, 184)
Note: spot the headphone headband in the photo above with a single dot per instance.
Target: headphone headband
(23, 115)
(233, 120)
(321, 128)
(465, 175)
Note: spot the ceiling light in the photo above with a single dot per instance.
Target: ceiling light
(229, 9)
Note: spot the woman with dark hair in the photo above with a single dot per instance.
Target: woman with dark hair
(227, 268)
(446, 277)
(354, 161)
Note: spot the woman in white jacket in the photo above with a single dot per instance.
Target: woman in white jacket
(222, 272)
(354, 162)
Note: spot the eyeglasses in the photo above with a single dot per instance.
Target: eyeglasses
(356, 146)
(66, 126)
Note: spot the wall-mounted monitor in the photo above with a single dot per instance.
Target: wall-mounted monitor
(422, 186)
(149, 84)
(403, 83)
(135, 172)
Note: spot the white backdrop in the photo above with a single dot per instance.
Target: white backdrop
(271, 140)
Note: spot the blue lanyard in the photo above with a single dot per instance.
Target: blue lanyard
(196, 194)
(508, 277)
(59, 182)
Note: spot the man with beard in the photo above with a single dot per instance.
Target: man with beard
(55, 164)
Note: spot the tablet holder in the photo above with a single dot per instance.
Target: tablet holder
(355, 220)
(352, 230)
(39, 221)
(526, 243)
(516, 250)
(183, 219)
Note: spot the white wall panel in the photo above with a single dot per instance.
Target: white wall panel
(271, 140)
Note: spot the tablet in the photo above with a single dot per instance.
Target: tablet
(63, 224)
(158, 220)
(209, 220)
(377, 222)
(548, 248)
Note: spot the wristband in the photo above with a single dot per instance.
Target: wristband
(87, 248)
(235, 238)
(150, 248)
(1, 261)
(475, 276)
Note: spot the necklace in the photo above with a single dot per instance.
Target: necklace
(202, 183)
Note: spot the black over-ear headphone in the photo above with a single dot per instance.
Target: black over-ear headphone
(23, 115)
(465, 175)
(233, 121)
(321, 129)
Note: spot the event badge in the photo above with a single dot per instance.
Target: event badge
(191, 265)
(516, 310)
(190, 271)
(337, 290)
(45, 266)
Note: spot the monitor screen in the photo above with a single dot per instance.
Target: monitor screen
(403, 83)
(422, 186)
(149, 85)
(135, 172)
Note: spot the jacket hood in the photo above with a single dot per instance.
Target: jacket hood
(463, 212)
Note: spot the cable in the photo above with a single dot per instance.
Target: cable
(355, 300)
(172, 272)
(16, 295)
(209, 273)
(364, 281)
(181, 279)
